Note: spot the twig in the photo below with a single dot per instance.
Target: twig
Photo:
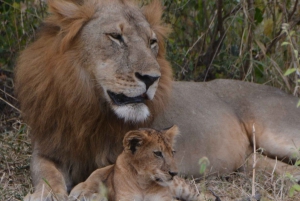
(42, 192)
(277, 38)
(281, 188)
(10, 105)
(195, 186)
(217, 197)
(293, 11)
(222, 37)
(3, 175)
(209, 27)
(7, 94)
(254, 161)
(274, 169)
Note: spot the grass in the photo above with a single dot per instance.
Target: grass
(15, 150)
(237, 187)
(15, 183)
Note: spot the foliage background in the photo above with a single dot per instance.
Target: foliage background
(235, 39)
(256, 41)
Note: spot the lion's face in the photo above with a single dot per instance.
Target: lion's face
(151, 154)
(122, 51)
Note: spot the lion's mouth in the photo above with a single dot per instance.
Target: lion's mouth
(121, 99)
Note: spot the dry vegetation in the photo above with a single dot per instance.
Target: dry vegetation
(15, 180)
(255, 51)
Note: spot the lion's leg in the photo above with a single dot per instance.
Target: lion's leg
(276, 143)
(49, 183)
(271, 166)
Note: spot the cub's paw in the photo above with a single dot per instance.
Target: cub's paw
(48, 196)
(85, 192)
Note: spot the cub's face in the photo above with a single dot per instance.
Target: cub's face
(151, 153)
(121, 49)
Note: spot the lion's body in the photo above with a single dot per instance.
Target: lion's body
(219, 117)
(139, 173)
(97, 70)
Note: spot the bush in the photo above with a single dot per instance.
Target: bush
(235, 39)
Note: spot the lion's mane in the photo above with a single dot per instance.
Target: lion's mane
(68, 118)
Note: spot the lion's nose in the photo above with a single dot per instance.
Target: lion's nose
(173, 173)
(147, 79)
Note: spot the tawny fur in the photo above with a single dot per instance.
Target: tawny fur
(75, 127)
(139, 174)
(69, 119)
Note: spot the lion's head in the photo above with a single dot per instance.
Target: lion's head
(119, 49)
(123, 61)
(151, 154)
(97, 69)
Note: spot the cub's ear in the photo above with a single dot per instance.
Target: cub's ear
(69, 16)
(171, 133)
(134, 139)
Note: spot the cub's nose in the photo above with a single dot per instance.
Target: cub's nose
(147, 79)
(173, 173)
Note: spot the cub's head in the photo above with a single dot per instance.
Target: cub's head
(151, 153)
(119, 46)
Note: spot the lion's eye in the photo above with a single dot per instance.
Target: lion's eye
(173, 152)
(153, 43)
(158, 153)
(116, 37)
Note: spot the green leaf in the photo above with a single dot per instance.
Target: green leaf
(296, 187)
(292, 191)
(258, 16)
(289, 71)
(292, 33)
(203, 162)
(285, 43)
(16, 5)
(298, 105)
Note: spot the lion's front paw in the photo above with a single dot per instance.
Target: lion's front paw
(42, 196)
(84, 192)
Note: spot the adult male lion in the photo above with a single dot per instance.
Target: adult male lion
(98, 70)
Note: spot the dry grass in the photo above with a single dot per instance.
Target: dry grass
(15, 181)
(15, 151)
(237, 187)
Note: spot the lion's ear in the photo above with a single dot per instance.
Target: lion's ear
(171, 133)
(134, 139)
(153, 13)
(69, 16)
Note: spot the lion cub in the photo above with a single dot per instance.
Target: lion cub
(145, 170)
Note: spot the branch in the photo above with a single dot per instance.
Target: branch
(293, 11)
(278, 36)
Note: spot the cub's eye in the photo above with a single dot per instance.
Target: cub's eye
(153, 42)
(173, 152)
(158, 153)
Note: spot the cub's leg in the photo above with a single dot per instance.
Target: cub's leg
(181, 190)
(93, 188)
(48, 181)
